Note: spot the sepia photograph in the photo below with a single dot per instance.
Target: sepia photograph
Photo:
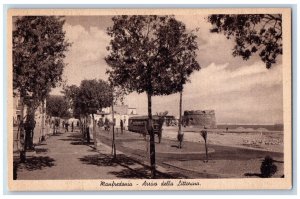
(149, 99)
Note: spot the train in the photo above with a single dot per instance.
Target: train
(138, 124)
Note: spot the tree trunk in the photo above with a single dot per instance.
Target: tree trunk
(82, 127)
(152, 139)
(180, 134)
(87, 129)
(94, 132)
(113, 131)
(30, 125)
(22, 133)
(206, 152)
(43, 121)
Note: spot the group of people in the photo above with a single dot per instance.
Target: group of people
(107, 124)
(65, 125)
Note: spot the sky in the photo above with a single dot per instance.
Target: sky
(239, 91)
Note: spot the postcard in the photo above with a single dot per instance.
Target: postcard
(149, 99)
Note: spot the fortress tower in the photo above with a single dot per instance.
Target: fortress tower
(201, 118)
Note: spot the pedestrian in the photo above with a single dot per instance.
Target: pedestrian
(100, 122)
(72, 126)
(67, 126)
(121, 126)
(56, 126)
(106, 124)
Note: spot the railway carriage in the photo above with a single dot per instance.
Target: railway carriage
(139, 124)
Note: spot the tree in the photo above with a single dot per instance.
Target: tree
(39, 48)
(148, 54)
(117, 95)
(57, 106)
(204, 135)
(267, 167)
(70, 93)
(252, 33)
(180, 134)
(91, 96)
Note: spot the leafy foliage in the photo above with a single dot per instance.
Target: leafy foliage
(91, 96)
(204, 134)
(39, 48)
(70, 93)
(268, 168)
(253, 33)
(152, 54)
(57, 106)
(163, 114)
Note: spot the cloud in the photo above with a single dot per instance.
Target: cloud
(222, 79)
(212, 47)
(248, 94)
(85, 58)
(239, 91)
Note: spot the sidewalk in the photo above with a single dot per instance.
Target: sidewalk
(66, 156)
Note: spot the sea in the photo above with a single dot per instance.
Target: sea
(268, 127)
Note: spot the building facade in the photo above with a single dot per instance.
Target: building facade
(42, 128)
(121, 112)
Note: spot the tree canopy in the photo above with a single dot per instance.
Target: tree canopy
(92, 95)
(70, 93)
(153, 54)
(252, 33)
(57, 106)
(39, 48)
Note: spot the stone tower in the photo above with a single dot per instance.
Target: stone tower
(200, 118)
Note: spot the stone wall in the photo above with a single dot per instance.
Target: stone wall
(201, 118)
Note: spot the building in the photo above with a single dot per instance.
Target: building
(131, 111)
(17, 110)
(121, 112)
(200, 118)
(42, 128)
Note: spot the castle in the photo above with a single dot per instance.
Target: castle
(201, 118)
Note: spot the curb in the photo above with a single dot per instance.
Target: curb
(142, 162)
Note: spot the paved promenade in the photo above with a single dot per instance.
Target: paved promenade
(66, 156)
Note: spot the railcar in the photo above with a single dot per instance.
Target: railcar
(139, 124)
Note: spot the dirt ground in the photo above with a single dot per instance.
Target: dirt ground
(263, 140)
(228, 168)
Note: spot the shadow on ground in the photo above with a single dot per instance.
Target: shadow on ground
(37, 163)
(77, 139)
(253, 174)
(143, 172)
(57, 134)
(40, 144)
(82, 143)
(103, 160)
(41, 150)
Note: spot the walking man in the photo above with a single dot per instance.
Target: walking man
(67, 126)
(121, 126)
